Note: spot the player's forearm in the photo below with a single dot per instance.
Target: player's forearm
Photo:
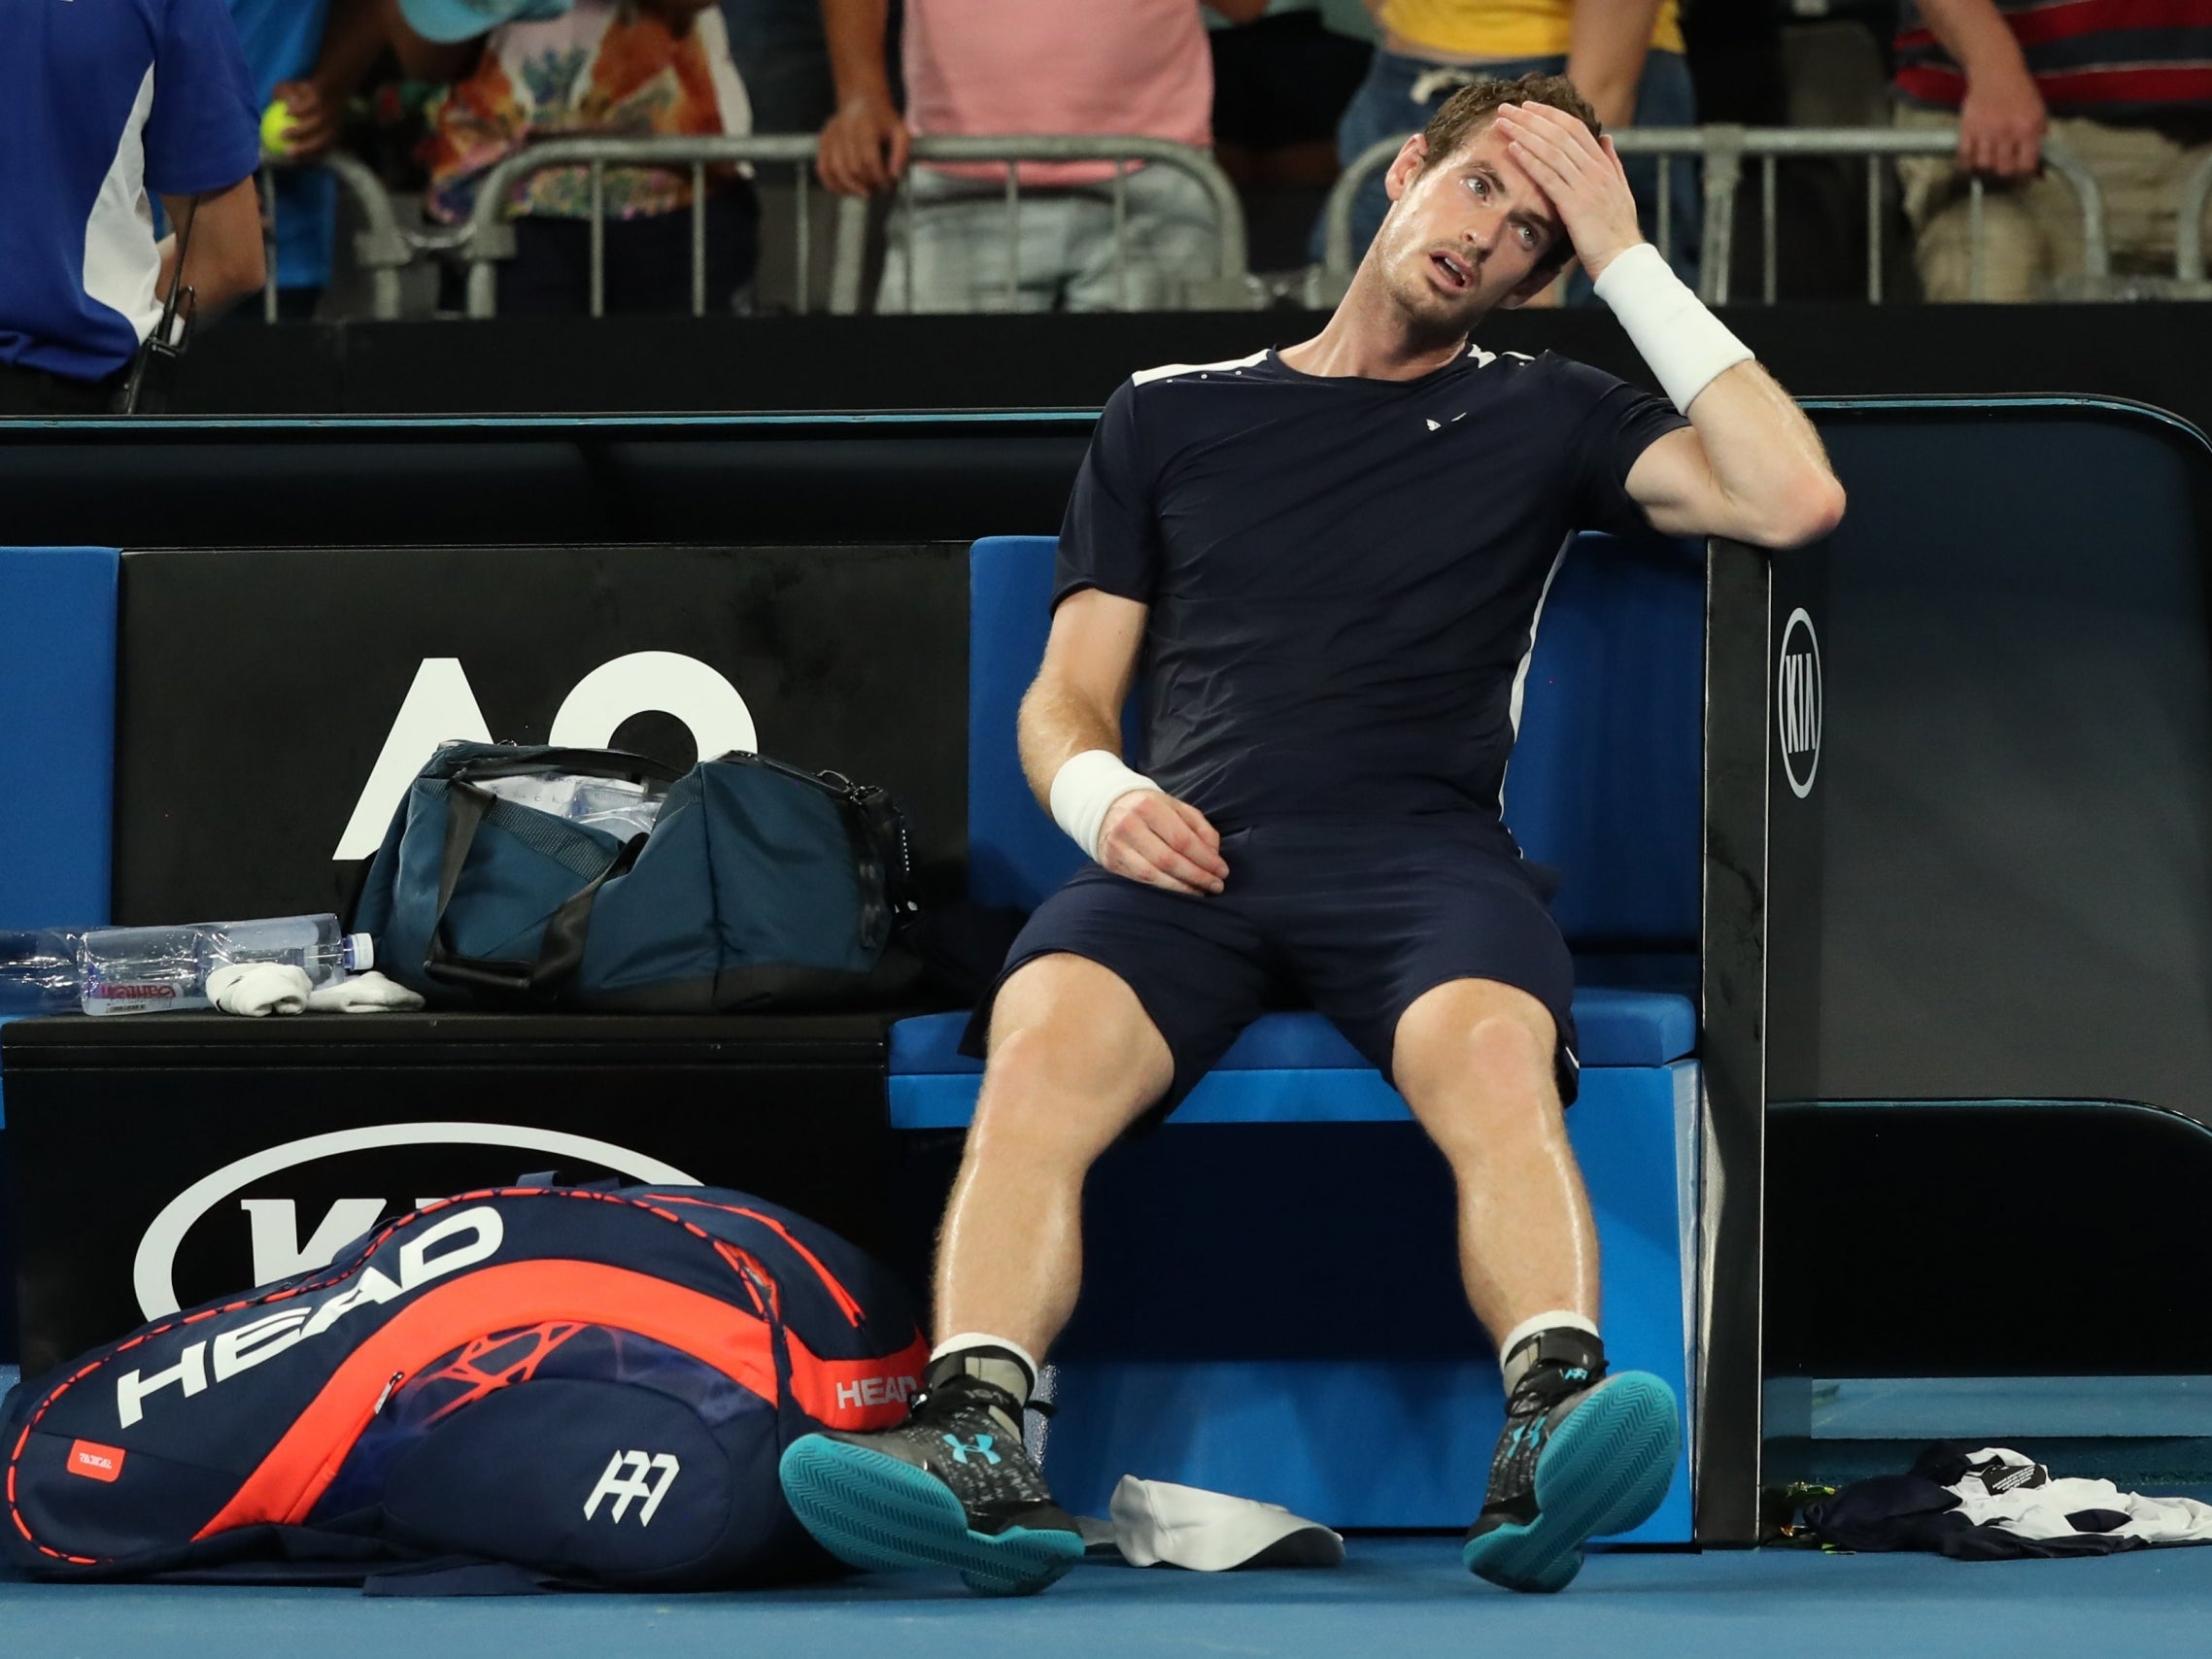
(1058, 723)
(1610, 39)
(1766, 458)
(854, 31)
(1975, 33)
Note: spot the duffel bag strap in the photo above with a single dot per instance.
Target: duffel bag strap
(876, 832)
(561, 948)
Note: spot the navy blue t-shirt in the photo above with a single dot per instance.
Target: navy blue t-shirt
(1344, 574)
(101, 102)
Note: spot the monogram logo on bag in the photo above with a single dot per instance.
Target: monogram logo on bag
(632, 1474)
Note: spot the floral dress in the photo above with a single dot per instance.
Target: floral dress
(604, 67)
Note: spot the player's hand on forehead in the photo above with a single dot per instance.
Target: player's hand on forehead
(1581, 175)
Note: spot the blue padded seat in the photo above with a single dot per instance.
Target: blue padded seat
(1618, 1026)
(58, 748)
(58, 733)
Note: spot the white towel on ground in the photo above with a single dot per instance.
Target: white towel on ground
(2009, 1489)
(1157, 1521)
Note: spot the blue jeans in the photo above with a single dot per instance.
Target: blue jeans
(1385, 107)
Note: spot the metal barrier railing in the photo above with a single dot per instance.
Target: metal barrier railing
(1229, 289)
(1724, 150)
(384, 248)
(380, 248)
(2188, 225)
(489, 236)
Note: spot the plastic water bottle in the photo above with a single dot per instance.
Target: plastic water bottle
(37, 971)
(141, 970)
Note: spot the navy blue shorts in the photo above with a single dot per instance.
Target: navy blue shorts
(1356, 919)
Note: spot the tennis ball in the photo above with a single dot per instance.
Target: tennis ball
(276, 128)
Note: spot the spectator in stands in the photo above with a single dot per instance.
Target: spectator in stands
(998, 67)
(785, 61)
(611, 67)
(1280, 85)
(310, 54)
(2125, 83)
(99, 105)
(1625, 57)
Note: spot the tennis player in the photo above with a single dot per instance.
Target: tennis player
(1330, 562)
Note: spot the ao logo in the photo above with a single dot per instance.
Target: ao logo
(440, 707)
(1798, 702)
(278, 1253)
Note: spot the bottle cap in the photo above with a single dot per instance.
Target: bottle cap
(360, 953)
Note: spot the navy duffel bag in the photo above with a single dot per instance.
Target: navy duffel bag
(759, 885)
(592, 1386)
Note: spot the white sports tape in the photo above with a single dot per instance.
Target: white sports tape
(1686, 343)
(1084, 787)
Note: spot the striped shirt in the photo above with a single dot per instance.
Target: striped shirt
(2112, 59)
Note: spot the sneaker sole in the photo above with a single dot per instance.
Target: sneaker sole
(869, 1510)
(1604, 1471)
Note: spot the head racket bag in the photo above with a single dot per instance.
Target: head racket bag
(594, 1385)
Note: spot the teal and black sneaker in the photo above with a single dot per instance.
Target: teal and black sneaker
(952, 1486)
(1584, 1455)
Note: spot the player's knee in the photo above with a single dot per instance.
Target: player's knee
(1069, 1068)
(1039, 1059)
(1487, 1075)
(1071, 1023)
(1500, 1049)
(1051, 1099)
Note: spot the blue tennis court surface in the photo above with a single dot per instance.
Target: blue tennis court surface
(1392, 1596)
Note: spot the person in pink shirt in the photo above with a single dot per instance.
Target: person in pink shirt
(999, 67)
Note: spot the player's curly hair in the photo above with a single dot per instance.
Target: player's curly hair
(1469, 110)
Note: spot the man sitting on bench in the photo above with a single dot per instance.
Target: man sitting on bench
(1331, 560)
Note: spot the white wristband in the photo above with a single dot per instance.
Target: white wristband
(1084, 787)
(1686, 343)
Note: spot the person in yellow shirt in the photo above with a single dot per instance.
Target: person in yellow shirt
(1625, 57)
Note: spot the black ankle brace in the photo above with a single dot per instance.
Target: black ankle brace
(1001, 1368)
(1555, 1361)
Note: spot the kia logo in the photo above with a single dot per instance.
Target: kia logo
(278, 1252)
(1798, 704)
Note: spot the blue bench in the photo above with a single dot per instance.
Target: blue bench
(57, 742)
(1605, 784)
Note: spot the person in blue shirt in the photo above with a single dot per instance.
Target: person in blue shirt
(101, 104)
(310, 53)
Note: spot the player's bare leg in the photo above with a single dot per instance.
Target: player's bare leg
(1073, 1063)
(1583, 1454)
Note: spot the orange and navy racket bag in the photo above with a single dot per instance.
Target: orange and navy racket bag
(592, 1385)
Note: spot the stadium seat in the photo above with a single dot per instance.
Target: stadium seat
(1604, 785)
(57, 745)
